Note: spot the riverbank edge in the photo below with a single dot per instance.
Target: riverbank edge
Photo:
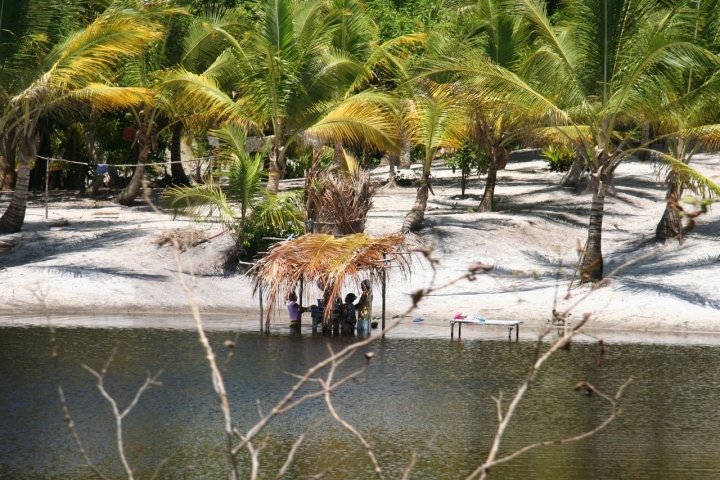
(217, 317)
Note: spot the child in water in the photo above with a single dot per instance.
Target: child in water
(350, 312)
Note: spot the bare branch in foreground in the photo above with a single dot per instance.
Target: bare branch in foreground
(616, 409)
(119, 416)
(217, 378)
(348, 427)
(416, 457)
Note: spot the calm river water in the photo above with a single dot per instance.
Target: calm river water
(425, 395)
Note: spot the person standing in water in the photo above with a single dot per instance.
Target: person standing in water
(295, 310)
(350, 313)
(364, 307)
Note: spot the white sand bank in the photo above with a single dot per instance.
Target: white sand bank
(106, 261)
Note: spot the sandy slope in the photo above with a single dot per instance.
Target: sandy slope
(106, 258)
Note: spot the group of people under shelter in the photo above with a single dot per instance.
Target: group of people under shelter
(346, 316)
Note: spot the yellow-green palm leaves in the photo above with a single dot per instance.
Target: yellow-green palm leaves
(245, 175)
(289, 79)
(75, 74)
(437, 117)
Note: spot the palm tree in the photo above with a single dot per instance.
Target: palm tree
(689, 122)
(286, 81)
(618, 61)
(437, 117)
(269, 211)
(614, 62)
(142, 72)
(70, 76)
(497, 33)
(28, 30)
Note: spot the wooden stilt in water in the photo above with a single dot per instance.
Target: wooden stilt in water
(262, 312)
(384, 287)
(47, 186)
(302, 288)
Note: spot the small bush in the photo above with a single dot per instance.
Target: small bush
(465, 160)
(559, 157)
(252, 237)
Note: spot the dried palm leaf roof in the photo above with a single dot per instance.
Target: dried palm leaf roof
(330, 260)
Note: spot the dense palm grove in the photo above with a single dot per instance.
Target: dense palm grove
(333, 84)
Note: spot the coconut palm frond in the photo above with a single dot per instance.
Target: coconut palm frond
(361, 118)
(437, 118)
(203, 201)
(707, 135)
(280, 210)
(233, 137)
(568, 135)
(107, 98)
(693, 180)
(87, 55)
(328, 261)
(349, 165)
(201, 95)
(246, 175)
(223, 67)
(203, 41)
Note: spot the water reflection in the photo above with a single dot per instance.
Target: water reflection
(419, 395)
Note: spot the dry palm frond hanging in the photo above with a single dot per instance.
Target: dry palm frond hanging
(338, 202)
(328, 261)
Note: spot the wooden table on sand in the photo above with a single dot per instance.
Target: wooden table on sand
(506, 323)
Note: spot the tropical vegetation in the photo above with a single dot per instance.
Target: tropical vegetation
(593, 82)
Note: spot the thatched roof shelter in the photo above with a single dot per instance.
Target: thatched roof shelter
(329, 261)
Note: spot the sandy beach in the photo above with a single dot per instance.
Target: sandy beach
(94, 256)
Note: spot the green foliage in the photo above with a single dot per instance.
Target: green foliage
(558, 157)
(465, 160)
(401, 17)
(272, 215)
(252, 238)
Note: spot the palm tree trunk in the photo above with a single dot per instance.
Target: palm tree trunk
(591, 267)
(416, 215)
(392, 163)
(277, 169)
(488, 196)
(7, 174)
(645, 139)
(669, 226)
(179, 177)
(128, 194)
(405, 151)
(14, 217)
(365, 156)
(572, 177)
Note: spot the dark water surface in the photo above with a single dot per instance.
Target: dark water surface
(429, 396)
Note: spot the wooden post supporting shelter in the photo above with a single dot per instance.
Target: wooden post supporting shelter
(302, 289)
(262, 311)
(47, 186)
(384, 288)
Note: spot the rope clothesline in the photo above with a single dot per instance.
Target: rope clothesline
(50, 160)
(123, 165)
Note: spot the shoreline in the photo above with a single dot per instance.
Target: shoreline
(226, 322)
(96, 258)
